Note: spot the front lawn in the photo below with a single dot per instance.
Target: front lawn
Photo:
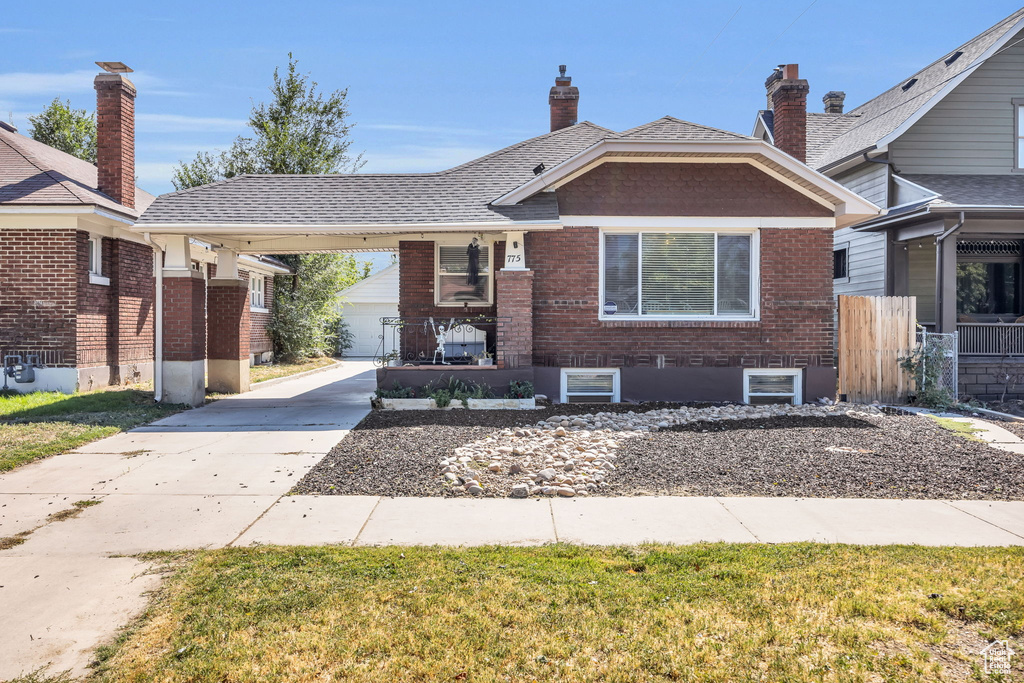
(261, 373)
(41, 424)
(707, 612)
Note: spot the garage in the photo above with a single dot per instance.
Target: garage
(363, 305)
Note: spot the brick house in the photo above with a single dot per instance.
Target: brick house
(77, 285)
(670, 261)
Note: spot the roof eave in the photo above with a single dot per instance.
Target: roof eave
(344, 229)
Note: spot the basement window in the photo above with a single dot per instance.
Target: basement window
(257, 287)
(462, 274)
(768, 386)
(590, 385)
(96, 262)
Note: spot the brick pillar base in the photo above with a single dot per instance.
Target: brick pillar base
(515, 318)
(184, 327)
(228, 337)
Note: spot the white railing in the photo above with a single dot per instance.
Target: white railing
(991, 339)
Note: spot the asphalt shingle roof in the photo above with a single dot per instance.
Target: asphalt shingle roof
(882, 115)
(984, 190)
(457, 195)
(32, 173)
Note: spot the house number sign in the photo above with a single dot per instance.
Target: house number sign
(515, 252)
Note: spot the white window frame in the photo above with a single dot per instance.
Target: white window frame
(844, 246)
(96, 276)
(437, 272)
(798, 383)
(616, 382)
(261, 290)
(1018, 134)
(755, 273)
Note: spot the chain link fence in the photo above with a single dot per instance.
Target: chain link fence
(941, 348)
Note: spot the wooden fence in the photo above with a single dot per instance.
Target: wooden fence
(874, 332)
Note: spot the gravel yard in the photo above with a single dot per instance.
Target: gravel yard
(397, 453)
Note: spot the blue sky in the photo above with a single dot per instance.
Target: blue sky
(434, 84)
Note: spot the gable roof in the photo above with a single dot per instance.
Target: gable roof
(381, 287)
(882, 119)
(973, 190)
(32, 173)
(477, 194)
(822, 130)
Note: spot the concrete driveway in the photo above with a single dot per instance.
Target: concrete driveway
(197, 479)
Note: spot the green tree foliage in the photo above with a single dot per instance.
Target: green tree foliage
(69, 130)
(299, 131)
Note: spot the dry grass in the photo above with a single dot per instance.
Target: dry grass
(962, 429)
(261, 373)
(42, 424)
(699, 613)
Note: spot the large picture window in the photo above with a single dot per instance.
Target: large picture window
(463, 274)
(679, 275)
(988, 280)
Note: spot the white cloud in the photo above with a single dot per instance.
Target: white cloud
(420, 159)
(177, 123)
(411, 128)
(154, 176)
(60, 84)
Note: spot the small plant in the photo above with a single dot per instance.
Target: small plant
(442, 397)
(388, 358)
(482, 391)
(520, 389)
(925, 365)
(453, 390)
(396, 391)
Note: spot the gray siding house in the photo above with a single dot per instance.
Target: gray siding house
(942, 152)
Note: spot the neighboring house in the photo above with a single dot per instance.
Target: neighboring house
(362, 307)
(670, 261)
(77, 287)
(943, 152)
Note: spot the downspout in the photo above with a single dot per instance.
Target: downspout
(940, 280)
(158, 332)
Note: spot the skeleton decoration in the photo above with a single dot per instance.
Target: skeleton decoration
(440, 335)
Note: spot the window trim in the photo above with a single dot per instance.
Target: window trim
(755, 274)
(616, 395)
(1018, 135)
(96, 276)
(842, 246)
(262, 279)
(437, 273)
(798, 382)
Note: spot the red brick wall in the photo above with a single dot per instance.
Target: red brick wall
(259, 336)
(789, 102)
(96, 332)
(134, 289)
(228, 311)
(795, 329)
(38, 284)
(515, 318)
(184, 318)
(651, 189)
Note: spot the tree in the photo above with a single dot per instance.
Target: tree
(298, 131)
(69, 130)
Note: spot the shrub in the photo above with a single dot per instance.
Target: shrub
(396, 391)
(520, 389)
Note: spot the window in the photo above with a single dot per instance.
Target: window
(679, 275)
(761, 387)
(1018, 134)
(257, 284)
(590, 385)
(840, 263)
(988, 279)
(96, 276)
(96, 255)
(463, 273)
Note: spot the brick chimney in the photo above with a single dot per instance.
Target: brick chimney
(564, 100)
(115, 133)
(789, 103)
(834, 101)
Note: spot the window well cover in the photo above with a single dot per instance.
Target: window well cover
(590, 383)
(772, 384)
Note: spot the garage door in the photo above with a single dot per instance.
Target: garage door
(364, 322)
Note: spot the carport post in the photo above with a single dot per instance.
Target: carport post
(228, 312)
(184, 326)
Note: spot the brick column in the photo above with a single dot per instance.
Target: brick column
(228, 335)
(515, 318)
(184, 330)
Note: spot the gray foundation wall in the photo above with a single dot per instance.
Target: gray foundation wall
(986, 378)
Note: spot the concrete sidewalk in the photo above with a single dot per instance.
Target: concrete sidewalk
(197, 479)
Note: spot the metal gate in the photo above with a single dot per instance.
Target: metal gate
(941, 348)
